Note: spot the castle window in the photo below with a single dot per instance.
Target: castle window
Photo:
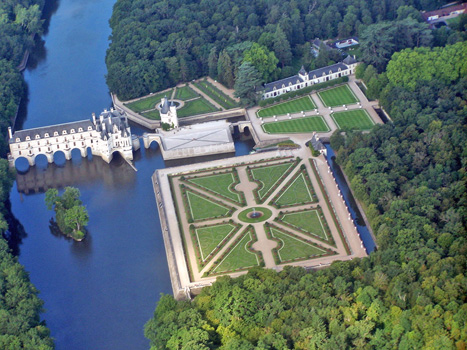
(18, 139)
(330, 72)
(37, 137)
(46, 134)
(28, 138)
(314, 76)
(89, 127)
(64, 132)
(72, 131)
(324, 73)
(339, 69)
(80, 129)
(56, 133)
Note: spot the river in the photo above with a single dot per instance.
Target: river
(99, 293)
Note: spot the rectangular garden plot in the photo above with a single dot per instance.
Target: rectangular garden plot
(185, 93)
(216, 94)
(149, 102)
(298, 125)
(295, 106)
(338, 96)
(194, 107)
(357, 119)
(200, 207)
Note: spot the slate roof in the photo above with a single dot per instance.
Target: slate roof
(302, 71)
(293, 79)
(51, 129)
(349, 60)
(112, 118)
(165, 106)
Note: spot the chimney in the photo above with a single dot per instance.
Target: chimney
(10, 133)
(94, 118)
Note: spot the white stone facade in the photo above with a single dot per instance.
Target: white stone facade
(168, 113)
(103, 136)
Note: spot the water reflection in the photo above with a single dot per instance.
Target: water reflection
(75, 172)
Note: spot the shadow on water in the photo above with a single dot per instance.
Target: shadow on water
(39, 178)
(365, 233)
(15, 233)
(81, 249)
(50, 7)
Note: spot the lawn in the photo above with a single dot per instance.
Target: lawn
(239, 257)
(217, 95)
(357, 119)
(298, 125)
(269, 176)
(309, 221)
(194, 107)
(341, 95)
(218, 183)
(148, 102)
(295, 106)
(202, 208)
(294, 248)
(154, 115)
(297, 193)
(212, 236)
(243, 216)
(185, 93)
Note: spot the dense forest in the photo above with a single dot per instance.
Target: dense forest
(156, 44)
(20, 307)
(410, 177)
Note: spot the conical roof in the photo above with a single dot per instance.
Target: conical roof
(165, 106)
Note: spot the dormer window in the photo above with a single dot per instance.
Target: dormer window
(55, 133)
(290, 84)
(64, 132)
(89, 128)
(274, 88)
(314, 76)
(283, 85)
(339, 69)
(37, 137)
(324, 73)
(18, 139)
(80, 129)
(72, 131)
(46, 134)
(28, 138)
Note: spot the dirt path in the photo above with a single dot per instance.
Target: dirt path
(211, 101)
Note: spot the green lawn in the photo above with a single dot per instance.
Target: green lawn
(212, 236)
(194, 107)
(239, 257)
(295, 106)
(357, 119)
(308, 221)
(269, 176)
(154, 115)
(218, 183)
(185, 93)
(202, 208)
(216, 94)
(298, 192)
(341, 95)
(243, 216)
(298, 125)
(148, 102)
(294, 248)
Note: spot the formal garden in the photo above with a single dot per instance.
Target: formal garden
(338, 96)
(217, 95)
(262, 213)
(298, 125)
(357, 119)
(298, 105)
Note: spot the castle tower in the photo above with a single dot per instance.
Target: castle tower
(168, 113)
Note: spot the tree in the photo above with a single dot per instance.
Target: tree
(212, 63)
(282, 47)
(29, 18)
(247, 82)
(263, 60)
(71, 215)
(225, 69)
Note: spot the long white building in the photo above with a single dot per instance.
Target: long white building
(304, 79)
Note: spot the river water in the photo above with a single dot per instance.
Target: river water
(99, 293)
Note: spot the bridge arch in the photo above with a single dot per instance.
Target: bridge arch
(22, 164)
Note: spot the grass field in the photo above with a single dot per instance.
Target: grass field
(308, 221)
(216, 94)
(269, 175)
(194, 107)
(299, 125)
(298, 192)
(357, 119)
(218, 183)
(294, 248)
(295, 106)
(238, 258)
(154, 114)
(148, 102)
(185, 93)
(212, 236)
(341, 95)
(202, 208)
